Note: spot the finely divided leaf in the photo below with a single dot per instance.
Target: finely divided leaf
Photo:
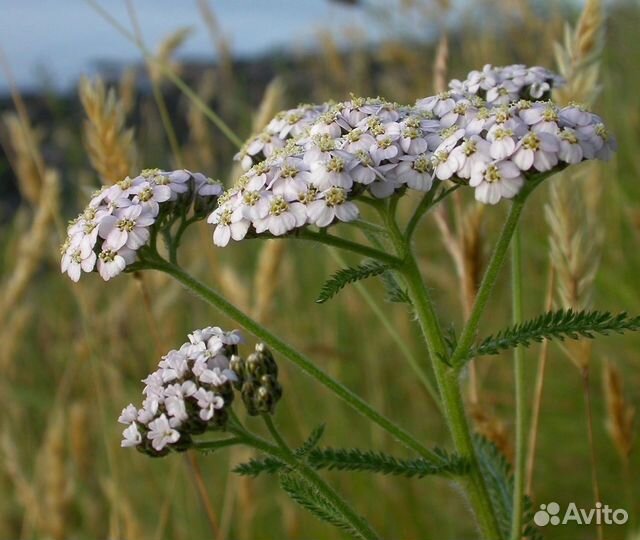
(311, 499)
(559, 325)
(343, 277)
(354, 459)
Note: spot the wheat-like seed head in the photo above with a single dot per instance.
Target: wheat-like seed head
(32, 247)
(127, 89)
(110, 144)
(165, 52)
(620, 413)
(578, 56)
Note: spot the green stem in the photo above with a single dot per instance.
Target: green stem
(284, 453)
(348, 245)
(447, 379)
(216, 445)
(452, 404)
(519, 374)
(468, 334)
(281, 347)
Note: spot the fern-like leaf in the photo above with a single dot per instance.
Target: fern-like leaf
(343, 277)
(395, 293)
(312, 500)
(498, 478)
(354, 459)
(255, 466)
(556, 325)
(311, 442)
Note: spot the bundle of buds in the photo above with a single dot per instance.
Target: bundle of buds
(120, 218)
(257, 380)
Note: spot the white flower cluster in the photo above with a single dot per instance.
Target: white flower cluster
(118, 220)
(352, 147)
(310, 162)
(495, 150)
(188, 394)
(504, 85)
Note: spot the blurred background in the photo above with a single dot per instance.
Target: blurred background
(80, 107)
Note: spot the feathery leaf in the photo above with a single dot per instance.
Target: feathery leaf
(255, 466)
(395, 293)
(354, 459)
(311, 499)
(343, 277)
(558, 325)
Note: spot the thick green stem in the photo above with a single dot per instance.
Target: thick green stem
(468, 334)
(452, 404)
(518, 369)
(285, 454)
(447, 379)
(281, 347)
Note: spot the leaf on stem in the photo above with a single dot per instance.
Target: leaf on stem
(498, 478)
(354, 459)
(255, 466)
(395, 293)
(555, 325)
(343, 277)
(312, 500)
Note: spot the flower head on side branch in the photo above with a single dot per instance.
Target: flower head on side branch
(120, 219)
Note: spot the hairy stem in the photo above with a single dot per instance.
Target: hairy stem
(281, 347)
(448, 382)
(520, 396)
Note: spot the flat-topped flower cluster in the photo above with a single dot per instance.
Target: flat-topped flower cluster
(188, 394)
(309, 163)
(119, 219)
(493, 131)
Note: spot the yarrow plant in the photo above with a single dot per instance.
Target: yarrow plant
(313, 167)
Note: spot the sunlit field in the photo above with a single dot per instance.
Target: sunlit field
(72, 355)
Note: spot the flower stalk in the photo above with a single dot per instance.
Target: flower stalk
(279, 346)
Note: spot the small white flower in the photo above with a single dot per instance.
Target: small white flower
(570, 149)
(332, 172)
(131, 436)
(230, 224)
(332, 204)
(538, 150)
(283, 217)
(149, 196)
(495, 181)
(111, 263)
(126, 227)
(208, 403)
(161, 433)
(129, 414)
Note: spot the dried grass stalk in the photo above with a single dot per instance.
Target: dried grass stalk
(620, 412)
(32, 246)
(267, 278)
(110, 144)
(165, 53)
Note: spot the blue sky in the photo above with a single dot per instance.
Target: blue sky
(63, 37)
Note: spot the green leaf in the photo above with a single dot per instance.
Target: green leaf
(556, 325)
(354, 459)
(255, 466)
(311, 442)
(395, 293)
(498, 478)
(311, 499)
(343, 277)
